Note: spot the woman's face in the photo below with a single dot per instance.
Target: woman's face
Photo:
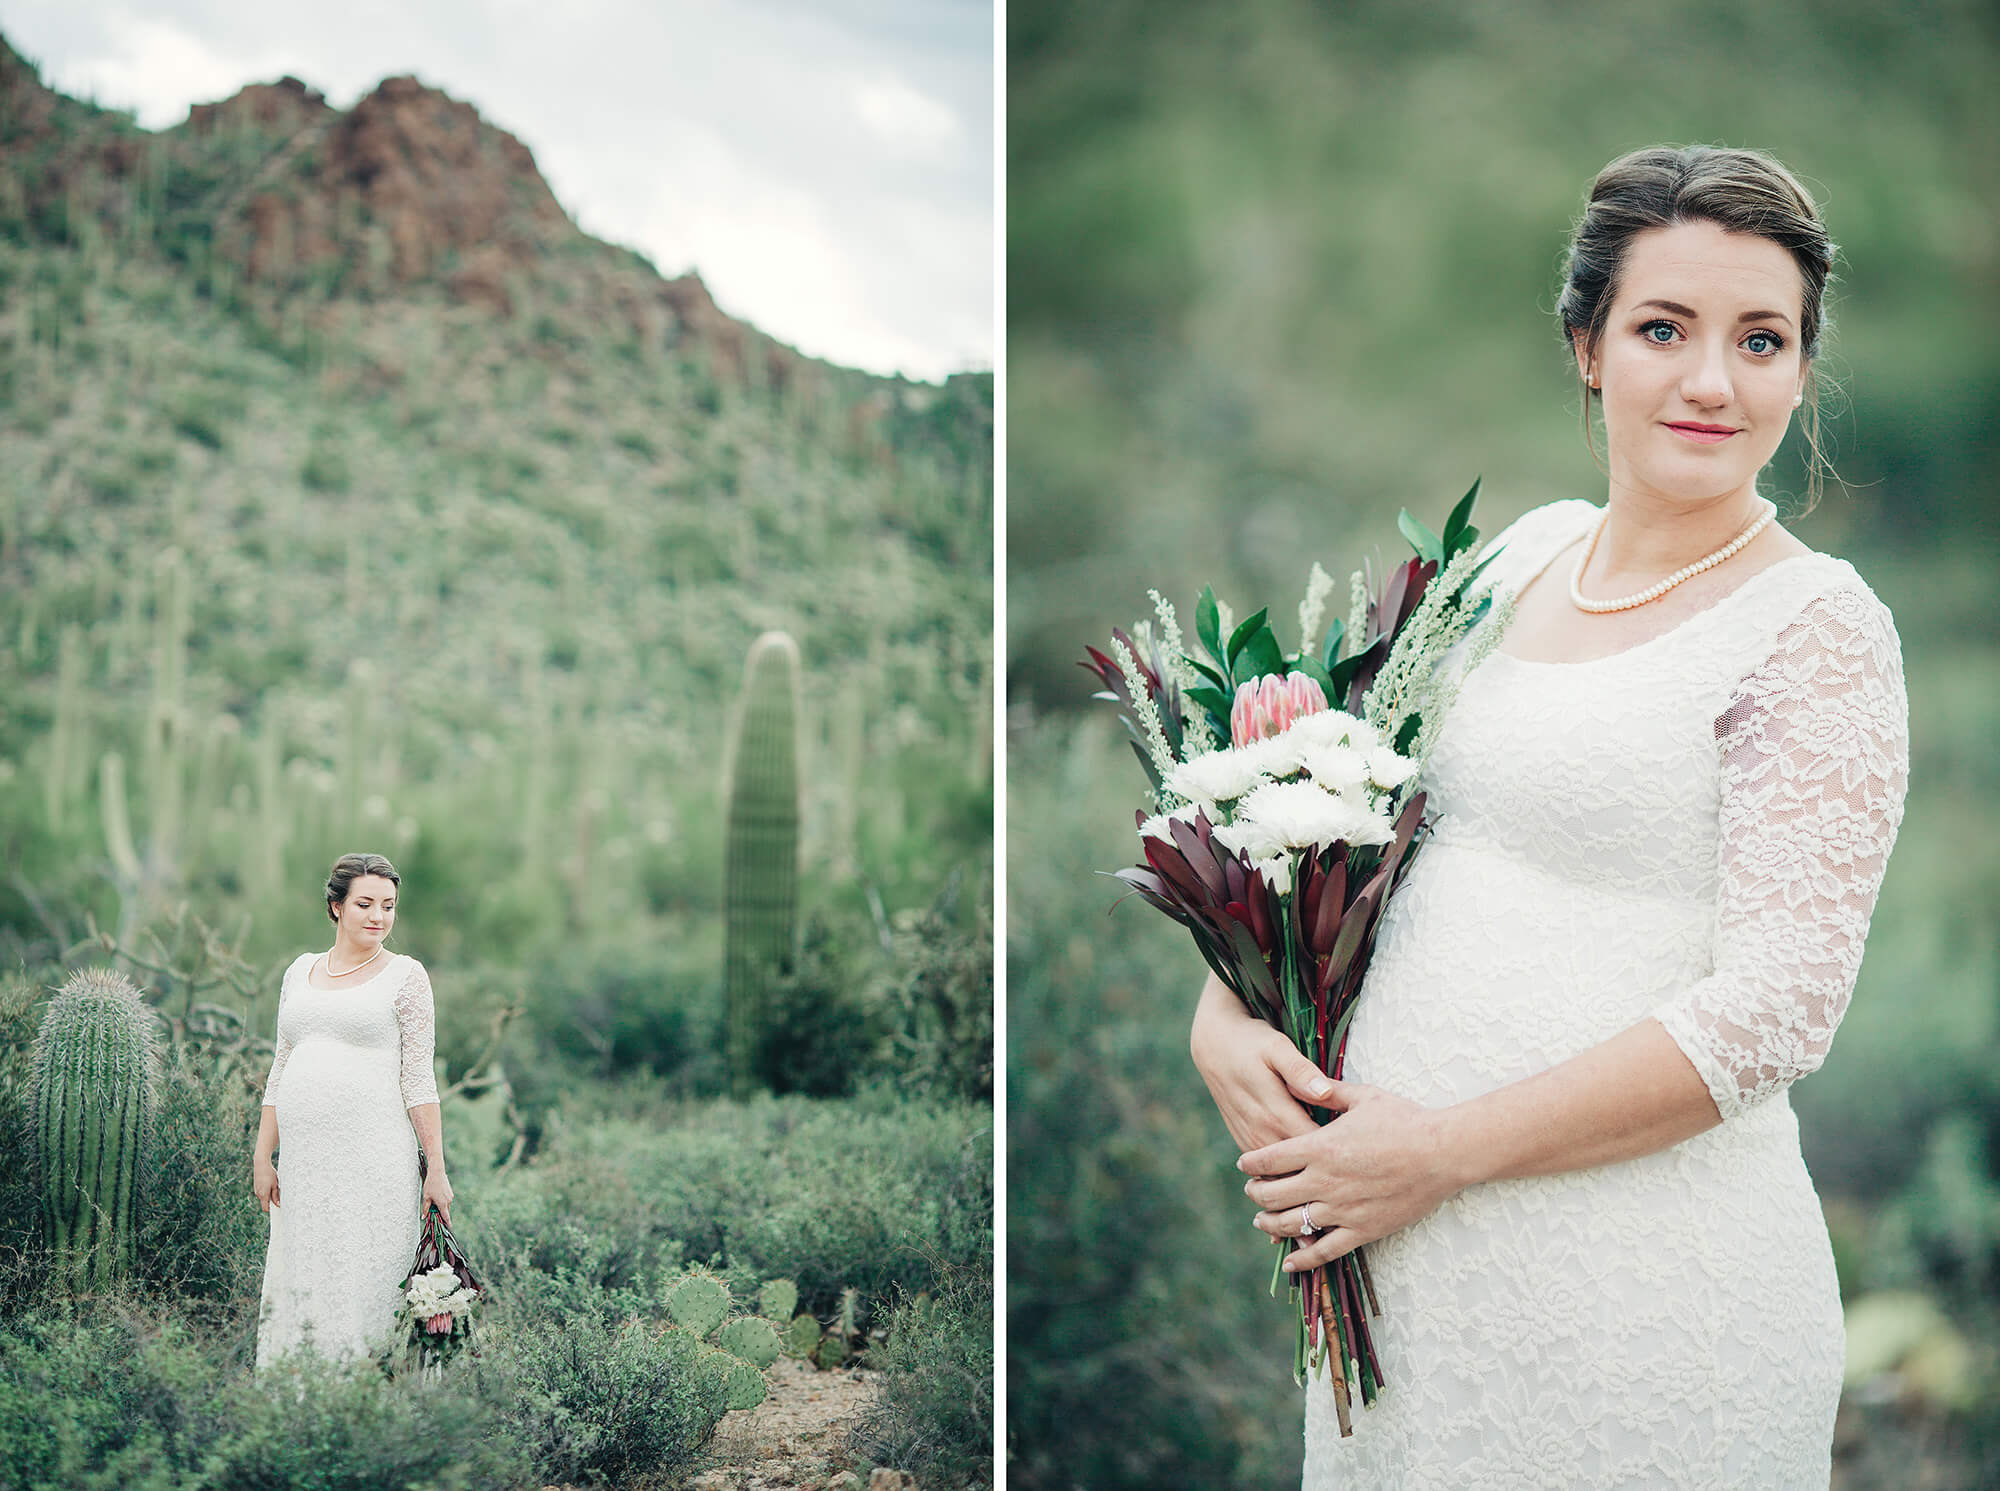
(1699, 364)
(368, 912)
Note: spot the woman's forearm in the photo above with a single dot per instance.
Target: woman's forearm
(267, 1132)
(1629, 1096)
(426, 1119)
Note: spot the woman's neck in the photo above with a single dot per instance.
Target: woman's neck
(345, 957)
(1646, 537)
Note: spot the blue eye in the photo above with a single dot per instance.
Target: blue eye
(1650, 327)
(1776, 342)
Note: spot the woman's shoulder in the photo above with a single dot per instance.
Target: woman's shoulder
(1525, 545)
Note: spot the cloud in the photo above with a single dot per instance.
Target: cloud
(828, 167)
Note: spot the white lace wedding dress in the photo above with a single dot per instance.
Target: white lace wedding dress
(349, 1065)
(1694, 830)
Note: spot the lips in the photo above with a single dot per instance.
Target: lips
(1702, 434)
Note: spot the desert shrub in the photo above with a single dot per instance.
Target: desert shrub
(630, 1010)
(629, 1403)
(936, 1416)
(870, 1192)
(942, 1002)
(824, 1030)
(108, 1396)
(569, 1240)
(201, 1233)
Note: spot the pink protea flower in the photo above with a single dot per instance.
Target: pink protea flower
(439, 1325)
(1267, 706)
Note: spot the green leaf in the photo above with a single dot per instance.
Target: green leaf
(1330, 654)
(1454, 526)
(1207, 672)
(1426, 543)
(1241, 636)
(1261, 654)
(1480, 568)
(1406, 736)
(1212, 700)
(1208, 623)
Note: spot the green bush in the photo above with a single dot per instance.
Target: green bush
(111, 1397)
(936, 1416)
(204, 1235)
(823, 1032)
(628, 1403)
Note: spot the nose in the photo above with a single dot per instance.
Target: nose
(1706, 381)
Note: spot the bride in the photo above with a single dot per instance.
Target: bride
(351, 1094)
(1663, 811)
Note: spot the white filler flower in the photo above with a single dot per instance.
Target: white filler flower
(1298, 815)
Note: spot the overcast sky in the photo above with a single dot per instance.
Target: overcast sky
(827, 167)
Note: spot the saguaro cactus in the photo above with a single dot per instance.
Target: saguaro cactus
(96, 1071)
(761, 873)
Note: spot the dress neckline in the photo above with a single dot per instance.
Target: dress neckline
(346, 988)
(1682, 625)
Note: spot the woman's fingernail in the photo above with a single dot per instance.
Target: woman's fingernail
(1322, 1087)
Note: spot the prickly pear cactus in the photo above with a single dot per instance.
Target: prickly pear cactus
(698, 1303)
(743, 1384)
(778, 1299)
(802, 1336)
(830, 1353)
(96, 1063)
(761, 869)
(750, 1338)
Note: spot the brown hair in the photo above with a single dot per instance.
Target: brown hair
(350, 868)
(1740, 191)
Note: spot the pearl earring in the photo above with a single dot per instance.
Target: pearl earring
(1798, 399)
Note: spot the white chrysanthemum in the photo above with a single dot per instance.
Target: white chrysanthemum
(1253, 839)
(1388, 770)
(1219, 776)
(1336, 768)
(1300, 814)
(1334, 727)
(1277, 872)
(1155, 827)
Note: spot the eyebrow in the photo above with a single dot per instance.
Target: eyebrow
(1693, 315)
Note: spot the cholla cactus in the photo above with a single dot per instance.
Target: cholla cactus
(96, 1063)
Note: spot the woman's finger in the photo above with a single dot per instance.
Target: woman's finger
(1324, 1248)
(1278, 1192)
(1302, 1077)
(1292, 1221)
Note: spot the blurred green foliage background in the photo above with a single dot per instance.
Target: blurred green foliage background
(1277, 270)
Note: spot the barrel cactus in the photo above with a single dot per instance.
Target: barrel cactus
(754, 1340)
(761, 870)
(96, 1063)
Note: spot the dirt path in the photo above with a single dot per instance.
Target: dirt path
(797, 1438)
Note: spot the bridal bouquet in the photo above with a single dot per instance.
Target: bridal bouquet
(1285, 813)
(435, 1314)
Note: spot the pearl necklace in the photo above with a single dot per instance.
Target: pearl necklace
(1654, 592)
(328, 960)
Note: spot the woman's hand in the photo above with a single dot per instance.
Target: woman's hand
(1260, 1081)
(264, 1181)
(437, 1192)
(1379, 1166)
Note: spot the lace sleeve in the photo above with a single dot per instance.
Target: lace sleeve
(416, 1020)
(1815, 762)
(281, 1048)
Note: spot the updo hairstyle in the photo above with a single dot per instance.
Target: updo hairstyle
(350, 868)
(1740, 191)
